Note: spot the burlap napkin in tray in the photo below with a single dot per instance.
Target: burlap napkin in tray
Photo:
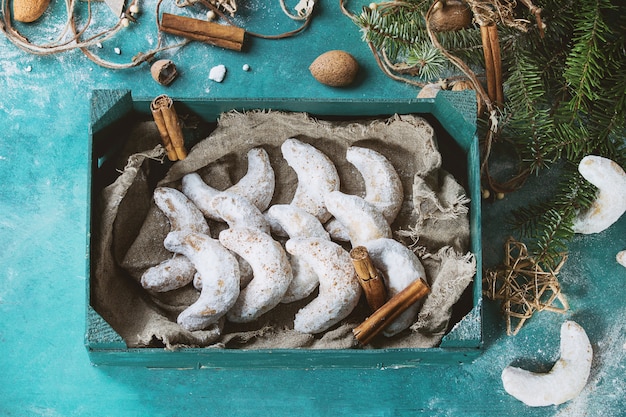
(130, 229)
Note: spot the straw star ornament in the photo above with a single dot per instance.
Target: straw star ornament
(523, 286)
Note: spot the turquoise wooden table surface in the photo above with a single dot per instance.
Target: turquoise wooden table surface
(44, 367)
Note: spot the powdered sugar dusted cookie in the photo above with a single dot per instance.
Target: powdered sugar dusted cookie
(564, 381)
(220, 278)
(245, 274)
(361, 219)
(317, 176)
(400, 267)
(237, 211)
(337, 230)
(257, 186)
(298, 223)
(610, 202)
(183, 216)
(169, 275)
(271, 269)
(200, 193)
(383, 188)
(339, 289)
(621, 258)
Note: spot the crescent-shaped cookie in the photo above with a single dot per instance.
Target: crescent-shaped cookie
(200, 193)
(257, 185)
(169, 275)
(400, 267)
(271, 269)
(610, 202)
(339, 289)
(383, 188)
(237, 211)
(298, 223)
(220, 278)
(564, 381)
(245, 274)
(184, 216)
(361, 219)
(317, 176)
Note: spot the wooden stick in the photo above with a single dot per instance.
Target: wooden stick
(390, 311)
(225, 36)
(169, 128)
(369, 278)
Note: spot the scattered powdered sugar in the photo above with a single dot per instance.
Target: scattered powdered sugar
(469, 327)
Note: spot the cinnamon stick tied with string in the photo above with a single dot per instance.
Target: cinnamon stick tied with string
(169, 127)
(369, 277)
(385, 315)
(225, 36)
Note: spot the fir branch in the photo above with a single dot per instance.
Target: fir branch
(395, 32)
(398, 31)
(427, 59)
(529, 124)
(565, 93)
(465, 44)
(549, 245)
(586, 63)
(581, 121)
(571, 138)
(609, 110)
(606, 126)
(548, 224)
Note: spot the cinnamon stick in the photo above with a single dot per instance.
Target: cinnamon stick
(497, 63)
(385, 315)
(167, 122)
(225, 36)
(493, 62)
(489, 69)
(369, 277)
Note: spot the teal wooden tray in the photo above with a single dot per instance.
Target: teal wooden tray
(452, 114)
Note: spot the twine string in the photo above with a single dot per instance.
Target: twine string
(71, 36)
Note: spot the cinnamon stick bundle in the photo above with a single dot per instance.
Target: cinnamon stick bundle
(369, 277)
(167, 122)
(225, 36)
(385, 315)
